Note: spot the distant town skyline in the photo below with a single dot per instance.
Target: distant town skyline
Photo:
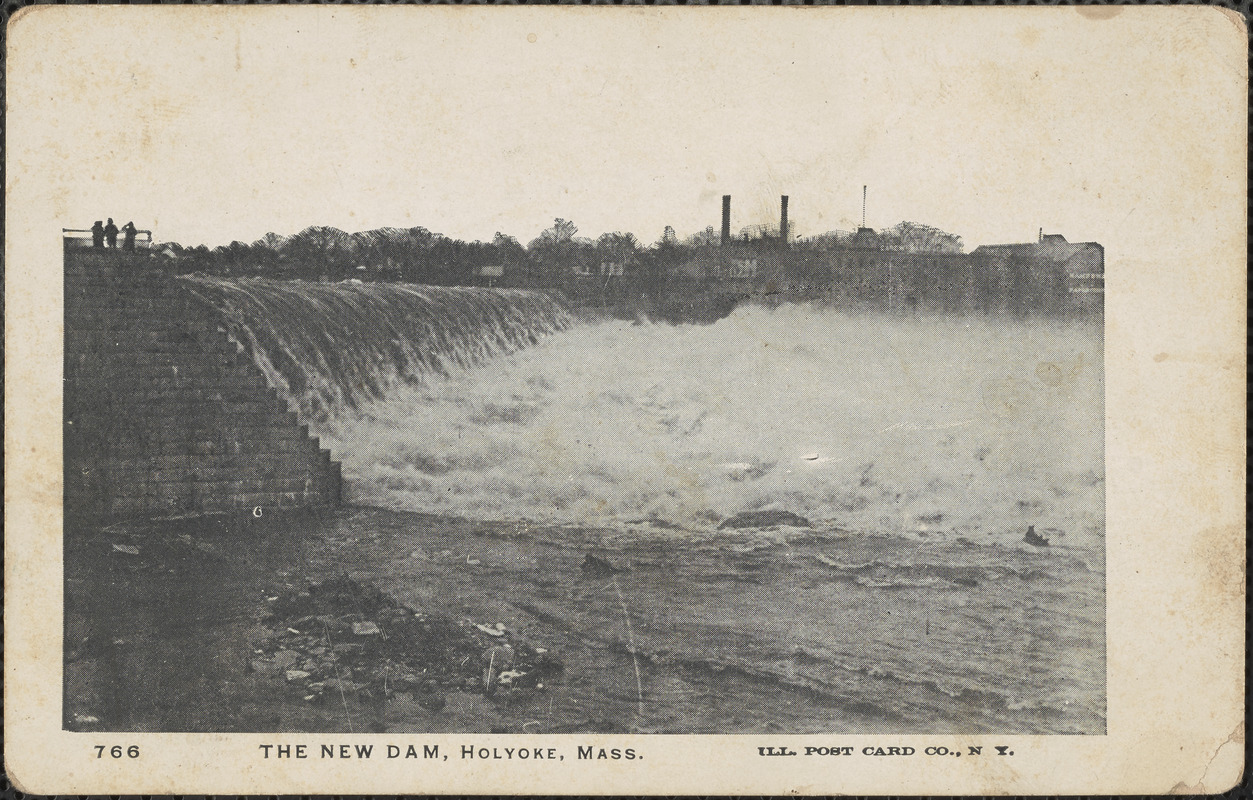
(755, 230)
(211, 125)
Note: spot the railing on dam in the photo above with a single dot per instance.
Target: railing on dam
(83, 238)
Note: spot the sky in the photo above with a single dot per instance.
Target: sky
(215, 124)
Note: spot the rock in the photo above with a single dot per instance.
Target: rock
(509, 676)
(128, 549)
(1034, 538)
(598, 566)
(764, 519)
(296, 675)
(263, 667)
(285, 658)
(365, 629)
(490, 631)
(339, 685)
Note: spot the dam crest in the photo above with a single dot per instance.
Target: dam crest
(195, 394)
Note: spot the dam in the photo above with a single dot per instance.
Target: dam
(162, 414)
(193, 394)
(489, 444)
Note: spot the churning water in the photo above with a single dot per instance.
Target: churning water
(918, 427)
(919, 449)
(331, 347)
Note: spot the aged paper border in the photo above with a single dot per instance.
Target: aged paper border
(1175, 371)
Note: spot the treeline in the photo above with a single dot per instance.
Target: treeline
(413, 255)
(324, 253)
(417, 255)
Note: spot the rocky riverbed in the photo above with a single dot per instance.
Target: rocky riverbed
(370, 620)
(337, 638)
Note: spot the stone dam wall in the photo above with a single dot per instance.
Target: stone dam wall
(162, 414)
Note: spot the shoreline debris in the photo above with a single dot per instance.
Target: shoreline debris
(341, 636)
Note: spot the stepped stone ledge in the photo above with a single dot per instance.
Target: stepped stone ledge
(163, 415)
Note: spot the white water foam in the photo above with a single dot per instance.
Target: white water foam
(927, 427)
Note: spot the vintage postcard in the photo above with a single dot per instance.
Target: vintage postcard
(625, 400)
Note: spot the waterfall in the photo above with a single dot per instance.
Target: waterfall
(328, 347)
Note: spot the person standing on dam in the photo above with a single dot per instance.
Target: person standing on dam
(128, 232)
(97, 234)
(110, 233)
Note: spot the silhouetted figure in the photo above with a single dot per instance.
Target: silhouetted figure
(110, 233)
(128, 234)
(97, 234)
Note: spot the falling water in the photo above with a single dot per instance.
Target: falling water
(918, 449)
(330, 347)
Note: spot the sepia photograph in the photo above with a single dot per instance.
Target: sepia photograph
(731, 483)
(597, 374)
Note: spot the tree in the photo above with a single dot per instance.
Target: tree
(321, 251)
(561, 232)
(554, 251)
(507, 248)
(509, 253)
(271, 241)
(617, 246)
(709, 236)
(237, 257)
(267, 252)
(914, 237)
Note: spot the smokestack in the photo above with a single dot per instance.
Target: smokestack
(863, 206)
(1041, 236)
(726, 219)
(783, 221)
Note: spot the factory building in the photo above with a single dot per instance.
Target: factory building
(1054, 274)
(1048, 276)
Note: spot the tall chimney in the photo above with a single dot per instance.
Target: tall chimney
(783, 221)
(726, 219)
